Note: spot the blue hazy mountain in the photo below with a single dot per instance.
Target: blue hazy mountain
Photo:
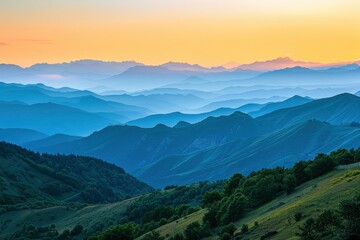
(46, 141)
(343, 108)
(178, 66)
(171, 119)
(282, 148)
(20, 136)
(176, 91)
(159, 103)
(134, 148)
(267, 92)
(271, 107)
(254, 110)
(299, 75)
(50, 118)
(94, 67)
(234, 103)
(145, 77)
(83, 100)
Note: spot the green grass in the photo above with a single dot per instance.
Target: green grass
(179, 225)
(310, 199)
(63, 217)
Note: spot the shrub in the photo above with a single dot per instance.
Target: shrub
(297, 216)
(195, 231)
(76, 230)
(244, 228)
(268, 234)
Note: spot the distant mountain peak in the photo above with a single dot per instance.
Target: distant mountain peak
(276, 64)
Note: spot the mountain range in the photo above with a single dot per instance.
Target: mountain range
(134, 76)
(283, 148)
(171, 119)
(142, 151)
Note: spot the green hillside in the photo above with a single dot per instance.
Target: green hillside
(30, 180)
(310, 199)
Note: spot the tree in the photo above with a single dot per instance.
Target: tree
(153, 236)
(232, 208)
(211, 216)
(350, 211)
(232, 184)
(289, 183)
(299, 172)
(328, 223)
(211, 197)
(76, 230)
(297, 216)
(244, 228)
(195, 231)
(120, 232)
(230, 229)
(308, 231)
(321, 165)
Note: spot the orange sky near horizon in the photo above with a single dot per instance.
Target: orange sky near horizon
(207, 32)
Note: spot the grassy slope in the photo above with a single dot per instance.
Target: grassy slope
(310, 198)
(62, 217)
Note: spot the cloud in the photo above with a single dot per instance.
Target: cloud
(3, 44)
(52, 76)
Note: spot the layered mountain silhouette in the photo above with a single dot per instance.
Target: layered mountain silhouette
(140, 149)
(134, 148)
(283, 148)
(20, 136)
(50, 118)
(254, 110)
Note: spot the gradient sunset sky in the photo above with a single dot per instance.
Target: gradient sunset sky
(208, 32)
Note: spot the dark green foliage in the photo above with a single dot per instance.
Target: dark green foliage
(350, 212)
(211, 197)
(308, 230)
(87, 179)
(232, 184)
(232, 208)
(321, 165)
(268, 235)
(341, 224)
(158, 213)
(191, 194)
(262, 186)
(244, 228)
(246, 193)
(289, 182)
(170, 187)
(32, 232)
(65, 235)
(153, 236)
(195, 231)
(126, 231)
(177, 236)
(328, 223)
(229, 209)
(299, 171)
(76, 230)
(230, 228)
(297, 216)
(227, 232)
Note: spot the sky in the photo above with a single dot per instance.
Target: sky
(207, 32)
